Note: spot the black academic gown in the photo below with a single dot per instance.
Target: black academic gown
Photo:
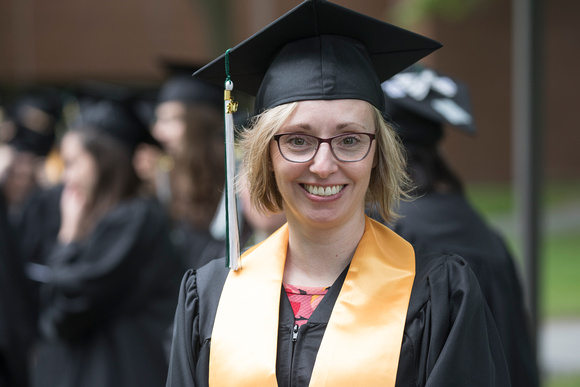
(198, 247)
(448, 223)
(17, 326)
(39, 223)
(109, 303)
(36, 229)
(449, 336)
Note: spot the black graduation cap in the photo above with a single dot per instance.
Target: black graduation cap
(319, 50)
(181, 86)
(115, 111)
(35, 115)
(420, 101)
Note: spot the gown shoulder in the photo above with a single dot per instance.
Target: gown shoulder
(449, 324)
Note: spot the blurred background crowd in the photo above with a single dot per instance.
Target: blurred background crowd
(112, 165)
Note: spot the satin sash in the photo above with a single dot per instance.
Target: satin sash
(362, 342)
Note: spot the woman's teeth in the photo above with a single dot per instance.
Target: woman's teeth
(323, 191)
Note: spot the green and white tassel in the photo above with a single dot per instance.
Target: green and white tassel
(232, 228)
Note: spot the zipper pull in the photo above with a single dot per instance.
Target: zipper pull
(295, 332)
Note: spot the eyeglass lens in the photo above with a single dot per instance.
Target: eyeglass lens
(300, 147)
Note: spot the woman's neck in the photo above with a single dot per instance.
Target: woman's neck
(316, 257)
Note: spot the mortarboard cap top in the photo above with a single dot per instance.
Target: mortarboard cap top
(181, 86)
(319, 50)
(115, 111)
(35, 115)
(420, 101)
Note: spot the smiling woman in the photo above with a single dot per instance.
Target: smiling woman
(332, 298)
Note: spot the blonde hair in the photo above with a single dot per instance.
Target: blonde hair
(388, 182)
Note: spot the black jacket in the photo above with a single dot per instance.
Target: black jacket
(109, 303)
(449, 338)
(449, 224)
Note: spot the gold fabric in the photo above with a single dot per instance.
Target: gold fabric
(362, 342)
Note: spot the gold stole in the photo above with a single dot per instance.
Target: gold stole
(362, 342)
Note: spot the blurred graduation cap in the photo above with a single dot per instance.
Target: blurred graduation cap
(181, 86)
(35, 115)
(319, 50)
(421, 101)
(114, 110)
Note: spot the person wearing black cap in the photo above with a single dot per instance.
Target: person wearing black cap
(189, 125)
(33, 118)
(420, 102)
(31, 122)
(331, 298)
(108, 299)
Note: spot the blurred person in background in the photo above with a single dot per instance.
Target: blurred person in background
(189, 125)
(31, 163)
(420, 102)
(107, 302)
(261, 223)
(27, 133)
(17, 323)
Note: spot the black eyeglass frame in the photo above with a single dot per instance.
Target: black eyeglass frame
(319, 140)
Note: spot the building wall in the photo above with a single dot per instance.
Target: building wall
(64, 41)
(60, 41)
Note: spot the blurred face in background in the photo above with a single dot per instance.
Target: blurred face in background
(80, 167)
(17, 174)
(170, 125)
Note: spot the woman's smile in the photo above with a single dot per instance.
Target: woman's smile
(323, 190)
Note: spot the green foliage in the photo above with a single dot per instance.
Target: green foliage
(563, 381)
(491, 199)
(559, 258)
(412, 12)
(559, 276)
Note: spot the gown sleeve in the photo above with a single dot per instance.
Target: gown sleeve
(450, 337)
(193, 324)
(184, 348)
(93, 281)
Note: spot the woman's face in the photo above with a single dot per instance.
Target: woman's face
(299, 183)
(170, 126)
(80, 167)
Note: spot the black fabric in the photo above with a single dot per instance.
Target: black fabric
(27, 140)
(262, 66)
(118, 119)
(16, 309)
(448, 223)
(36, 228)
(411, 127)
(323, 67)
(449, 339)
(109, 303)
(184, 88)
(198, 247)
(35, 132)
(39, 223)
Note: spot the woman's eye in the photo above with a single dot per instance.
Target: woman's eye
(349, 140)
(297, 141)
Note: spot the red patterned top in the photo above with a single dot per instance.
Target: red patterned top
(304, 300)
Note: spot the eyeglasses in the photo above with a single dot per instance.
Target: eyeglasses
(301, 148)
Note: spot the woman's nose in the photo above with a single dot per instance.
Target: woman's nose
(324, 163)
